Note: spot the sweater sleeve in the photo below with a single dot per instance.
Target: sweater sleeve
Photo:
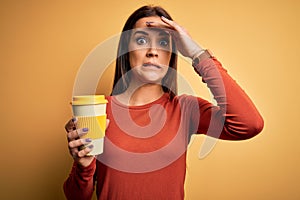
(80, 183)
(235, 117)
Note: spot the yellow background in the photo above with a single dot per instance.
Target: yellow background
(43, 44)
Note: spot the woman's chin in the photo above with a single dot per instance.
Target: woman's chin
(150, 77)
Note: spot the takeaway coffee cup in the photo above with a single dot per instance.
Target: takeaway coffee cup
(90, 111)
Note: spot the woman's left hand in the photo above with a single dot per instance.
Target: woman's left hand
(185, 44)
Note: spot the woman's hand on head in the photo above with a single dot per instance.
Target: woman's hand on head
(75, 143)
(185, 44)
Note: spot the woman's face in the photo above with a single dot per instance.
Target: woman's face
(150, 51)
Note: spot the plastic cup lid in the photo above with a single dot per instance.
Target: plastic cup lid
(88, 100)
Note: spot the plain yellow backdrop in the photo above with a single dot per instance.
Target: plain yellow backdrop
(43, 44)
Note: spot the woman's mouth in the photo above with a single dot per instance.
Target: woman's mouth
(151, 65)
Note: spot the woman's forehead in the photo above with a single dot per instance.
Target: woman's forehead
(150, 25)
(142, 23)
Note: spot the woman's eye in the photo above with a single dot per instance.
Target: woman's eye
(141, 41)
(164, 43)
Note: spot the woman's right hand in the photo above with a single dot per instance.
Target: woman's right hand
(75, 142)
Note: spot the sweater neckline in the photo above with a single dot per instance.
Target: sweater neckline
(161, 99)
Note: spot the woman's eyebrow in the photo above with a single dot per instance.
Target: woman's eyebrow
(141, 32)
(164, 33)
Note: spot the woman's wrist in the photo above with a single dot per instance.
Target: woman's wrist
(198, 53)
(87, 164)
(205, 54)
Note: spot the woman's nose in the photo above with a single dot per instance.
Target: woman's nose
(152, 52)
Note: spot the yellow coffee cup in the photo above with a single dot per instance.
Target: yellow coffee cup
(90, 111)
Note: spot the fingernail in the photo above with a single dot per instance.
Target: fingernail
(85, 129)
(88, 140)
(91, 146)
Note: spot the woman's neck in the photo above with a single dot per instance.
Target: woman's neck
(136, 96)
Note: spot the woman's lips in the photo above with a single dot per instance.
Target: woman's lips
(151, 65)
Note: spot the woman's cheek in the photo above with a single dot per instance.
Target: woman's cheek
(136, 57)
(166, 58)
(133, 59)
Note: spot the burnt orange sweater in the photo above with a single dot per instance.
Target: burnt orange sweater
(145, 146)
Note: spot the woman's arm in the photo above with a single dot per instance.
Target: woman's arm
(235, 117)
(80, 183)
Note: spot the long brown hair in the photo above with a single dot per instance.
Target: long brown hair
(122, 79)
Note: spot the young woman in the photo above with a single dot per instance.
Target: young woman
(149, 124)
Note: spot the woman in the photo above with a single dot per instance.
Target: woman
(150, 125)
